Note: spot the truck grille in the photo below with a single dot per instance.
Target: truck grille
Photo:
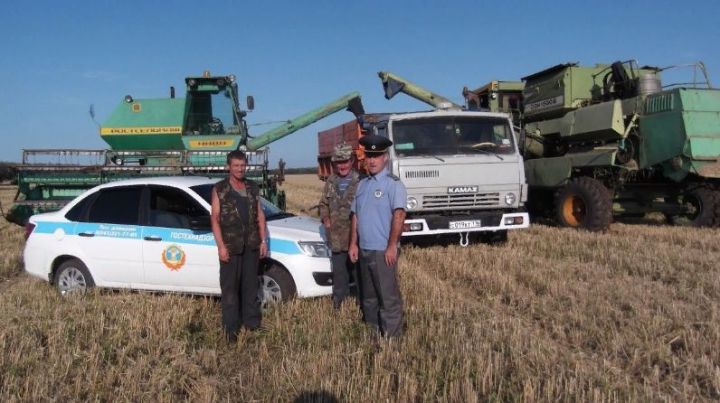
(461, 201)
(422, 174)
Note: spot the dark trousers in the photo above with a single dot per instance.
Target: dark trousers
(382, 303)
(341, 269)
(239, 293)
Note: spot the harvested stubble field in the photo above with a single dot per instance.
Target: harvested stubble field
(554, 314)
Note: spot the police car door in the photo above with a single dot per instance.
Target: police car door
(176, 257)
(109, 236)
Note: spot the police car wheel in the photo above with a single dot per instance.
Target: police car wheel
(72, 277)
(276, 285)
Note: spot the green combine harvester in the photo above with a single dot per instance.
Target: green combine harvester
(156, 137)
(610, 140)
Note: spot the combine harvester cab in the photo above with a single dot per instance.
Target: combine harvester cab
(159, 137)
(610, 140)
(462, 170)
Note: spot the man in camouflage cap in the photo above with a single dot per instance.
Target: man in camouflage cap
(335, 201)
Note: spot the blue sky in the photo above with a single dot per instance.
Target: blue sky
(292, 56)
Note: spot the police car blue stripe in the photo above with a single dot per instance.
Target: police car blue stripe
(50, 227)
(182, 236)
(176, 235)
(284, 246)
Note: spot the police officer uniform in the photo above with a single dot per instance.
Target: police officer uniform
(377, 198)
(335, 201)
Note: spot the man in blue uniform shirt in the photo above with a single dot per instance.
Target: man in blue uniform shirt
(377, 222)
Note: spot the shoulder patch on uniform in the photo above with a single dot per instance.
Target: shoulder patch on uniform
(393, 177)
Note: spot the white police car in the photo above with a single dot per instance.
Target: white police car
(154, 234)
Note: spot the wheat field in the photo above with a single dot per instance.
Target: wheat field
(552, 315)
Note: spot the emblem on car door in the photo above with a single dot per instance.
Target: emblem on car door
(173, 257)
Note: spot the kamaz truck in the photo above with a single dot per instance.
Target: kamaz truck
(462, 170)
(610, 141)
(156, 137)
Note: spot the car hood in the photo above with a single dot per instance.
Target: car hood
(299, 228)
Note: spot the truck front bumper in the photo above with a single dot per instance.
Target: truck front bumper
(479, 222)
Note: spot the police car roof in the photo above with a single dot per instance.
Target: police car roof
(177, 181)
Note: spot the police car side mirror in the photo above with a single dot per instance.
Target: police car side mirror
(201, 223)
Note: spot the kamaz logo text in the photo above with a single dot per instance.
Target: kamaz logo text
(462, 189)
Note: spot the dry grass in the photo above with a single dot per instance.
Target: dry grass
(11, 239)
(554, 314)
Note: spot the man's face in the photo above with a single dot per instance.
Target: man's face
(375, 162)
(237, 168)
(342, 168)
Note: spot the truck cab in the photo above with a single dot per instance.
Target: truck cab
(462, 170)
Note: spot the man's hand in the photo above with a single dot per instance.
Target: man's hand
(326, 222)
(263, 250)
(353, 253)
(391, 254)
(223, 254)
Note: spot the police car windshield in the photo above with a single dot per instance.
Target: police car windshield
(272, 212)
(452, 135)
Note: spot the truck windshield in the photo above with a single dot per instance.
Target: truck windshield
(452, 135)
(211, 112)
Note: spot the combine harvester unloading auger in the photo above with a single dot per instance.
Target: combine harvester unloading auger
(168, 136)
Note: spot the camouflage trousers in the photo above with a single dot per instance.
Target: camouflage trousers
(343, 271)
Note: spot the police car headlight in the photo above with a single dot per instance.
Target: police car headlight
(412, 203)
(510, 198)
(315, 249)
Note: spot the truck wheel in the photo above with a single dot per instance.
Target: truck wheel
(584, 203)
(704, 208)
(72, 277)
(496, 238)
(276, 285)
(539, 204)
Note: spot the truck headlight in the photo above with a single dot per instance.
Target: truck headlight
(315, 249)
(510, 199)
(412, 203)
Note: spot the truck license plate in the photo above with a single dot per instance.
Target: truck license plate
(465, 224)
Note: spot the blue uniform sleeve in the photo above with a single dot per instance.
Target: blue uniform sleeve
(399, 196)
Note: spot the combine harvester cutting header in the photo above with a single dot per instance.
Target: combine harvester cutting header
(611, 140)
(169, 136)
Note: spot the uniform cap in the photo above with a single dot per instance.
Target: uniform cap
(342, 152)
(375, 144)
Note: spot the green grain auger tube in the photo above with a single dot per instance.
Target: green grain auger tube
(610, 141)
(394, 84)
(158, 137)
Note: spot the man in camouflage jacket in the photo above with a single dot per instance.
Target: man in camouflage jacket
(238, 225)
(335, 201)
